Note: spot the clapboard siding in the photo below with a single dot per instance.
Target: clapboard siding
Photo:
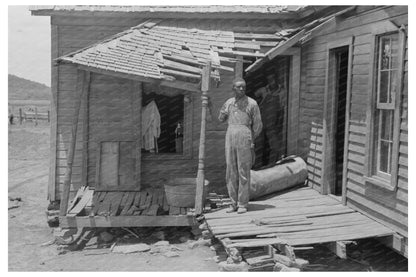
(389, 207)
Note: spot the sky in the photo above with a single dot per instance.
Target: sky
(29, 42)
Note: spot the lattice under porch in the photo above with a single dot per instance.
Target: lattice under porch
(147, 207)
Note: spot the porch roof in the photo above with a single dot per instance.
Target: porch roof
(159, 50)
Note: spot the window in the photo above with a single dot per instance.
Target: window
(170, 136)
(385, 117)
(386, 87)
(171, 111)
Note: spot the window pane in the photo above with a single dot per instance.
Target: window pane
(386, 125)
(393, 85)
(384, 156)
(394, 51)
(385, 53)
(384, 86)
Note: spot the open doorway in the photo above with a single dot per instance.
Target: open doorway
(341, 56)
(273, 81)
(334, 120)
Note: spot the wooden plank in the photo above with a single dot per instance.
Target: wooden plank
(221, 219)
(77, 197)
(128, 203)
(397, 102)
(165, 203)
(97, 204)
(378, 208)
(82, 86)
(137, 198)
(385, 220)
(325, 223)
(339, 248)
(175, 84)
(155, 196)
(52, 181)
(143, 197)
(153, 209)
(355, 230)
(115, 203)
(126, 221)
(350, 236)
(148, 201)
(105, 204)
(174, 210)
(256, 243)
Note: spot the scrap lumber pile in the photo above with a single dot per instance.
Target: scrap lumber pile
(150, 202)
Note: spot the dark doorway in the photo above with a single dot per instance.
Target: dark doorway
(271, 145)
(341, 56)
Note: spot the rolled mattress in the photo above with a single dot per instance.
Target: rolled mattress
(287, 173)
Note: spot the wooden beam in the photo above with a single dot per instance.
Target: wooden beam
(395, 242)
(167, 14)
(174, 84)
(347, 122)
(200, 179)
(339, 248)
(85, 136)
(397, 110)
(126, 221)
(82, 85)
(238, 71)
(137, 91)
(275, 51)
(52, 183)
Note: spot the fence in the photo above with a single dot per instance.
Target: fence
(30, 115)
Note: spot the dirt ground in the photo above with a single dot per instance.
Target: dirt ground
(29, 232)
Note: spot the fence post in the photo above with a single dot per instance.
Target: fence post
(20, 116)
(49, 117)
(36, 116)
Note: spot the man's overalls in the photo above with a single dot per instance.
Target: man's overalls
(244, 124)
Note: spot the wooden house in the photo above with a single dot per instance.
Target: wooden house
(342, 70)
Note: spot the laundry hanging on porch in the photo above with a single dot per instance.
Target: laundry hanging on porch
(150, 127)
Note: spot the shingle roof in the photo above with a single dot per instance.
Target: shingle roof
(160, 51)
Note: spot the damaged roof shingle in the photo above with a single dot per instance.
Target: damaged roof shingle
(161, 51)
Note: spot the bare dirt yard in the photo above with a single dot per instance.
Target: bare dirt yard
(29, 232)
(167, 249)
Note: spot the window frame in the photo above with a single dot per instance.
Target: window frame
(380, 179)
(187, 136)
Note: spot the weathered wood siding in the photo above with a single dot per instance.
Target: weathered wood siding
(390, 208)
(70, 34)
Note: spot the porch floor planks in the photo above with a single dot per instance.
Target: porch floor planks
(298, 217)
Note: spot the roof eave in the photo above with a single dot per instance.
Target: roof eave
(284, 15)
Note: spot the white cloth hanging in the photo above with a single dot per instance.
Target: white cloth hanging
(150, 126)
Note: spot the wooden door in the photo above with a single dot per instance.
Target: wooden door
(116, 166)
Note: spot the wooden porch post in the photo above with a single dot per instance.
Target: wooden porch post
(82, 86)
(200, 179)
(238, 70)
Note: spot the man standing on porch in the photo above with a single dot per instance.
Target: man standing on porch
(244, 124)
